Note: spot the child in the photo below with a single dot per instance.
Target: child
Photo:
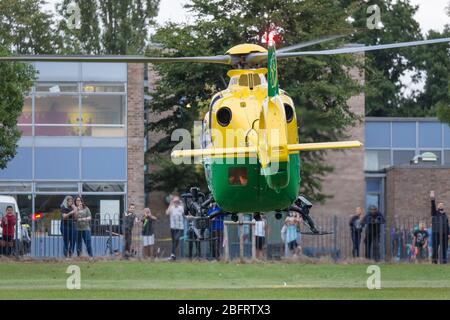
(289, 233)
(420, 242)
(148, 237)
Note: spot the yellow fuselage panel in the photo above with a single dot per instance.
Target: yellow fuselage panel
(246, 105)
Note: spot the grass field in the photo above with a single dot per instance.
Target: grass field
(213, 280)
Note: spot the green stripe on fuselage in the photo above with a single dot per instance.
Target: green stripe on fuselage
(255, 196)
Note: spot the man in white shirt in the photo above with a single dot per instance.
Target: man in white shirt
(176, 213)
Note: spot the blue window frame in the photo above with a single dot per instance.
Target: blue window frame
(378, 135)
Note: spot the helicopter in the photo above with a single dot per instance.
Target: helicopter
(250, 147)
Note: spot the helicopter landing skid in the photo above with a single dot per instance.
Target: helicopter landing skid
(302, 206)
(318, 233)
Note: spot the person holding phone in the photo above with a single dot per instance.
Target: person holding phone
(440, 230)
(68, 226)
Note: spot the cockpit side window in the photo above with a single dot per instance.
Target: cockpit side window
(256, 80)
(243, 80)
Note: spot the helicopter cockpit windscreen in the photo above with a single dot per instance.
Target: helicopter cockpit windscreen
(248, 80)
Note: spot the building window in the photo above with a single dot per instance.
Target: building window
(20, 167)
(57, 109)
(103, 109)
(402, 157)
(61, 71)
(103, 164)
(69, 187)
(91, 71)
(377, 134)
(376, 160)
(446, 136)
(430, 135)
(57, 163)
(447, 157)
(404, 134)
(103, 187)
(103, 87)
(104, 208)
(52, 87)
(13, 187)
(27, 115)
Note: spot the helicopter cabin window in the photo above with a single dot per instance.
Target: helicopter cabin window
(237, 176)
(248, 80)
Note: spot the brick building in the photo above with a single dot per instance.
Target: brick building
(82, 133)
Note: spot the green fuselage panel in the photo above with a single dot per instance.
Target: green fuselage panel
(255, 195)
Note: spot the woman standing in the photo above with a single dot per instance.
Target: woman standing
(68, 226)
(83, 226)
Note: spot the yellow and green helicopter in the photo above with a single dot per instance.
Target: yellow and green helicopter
(250, 144)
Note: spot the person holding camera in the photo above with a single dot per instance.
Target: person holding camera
(68, 226)
(194, 236)
(440, 231)
(216, 229)
(175, 211)
(128, 222)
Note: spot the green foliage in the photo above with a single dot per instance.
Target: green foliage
(25, 28)
(385, 67)
(173, 178)
(384, 91)
(16, 80)
(108, 26)
(318, 85)
(434, 64)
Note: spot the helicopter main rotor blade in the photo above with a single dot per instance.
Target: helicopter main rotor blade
(257, 58)
(225, 59)
(310, 43)
(363, 48)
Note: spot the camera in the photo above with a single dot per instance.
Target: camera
(302, 206)
(196, 204)
(303, 202)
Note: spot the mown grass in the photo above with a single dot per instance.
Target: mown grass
(214, 280)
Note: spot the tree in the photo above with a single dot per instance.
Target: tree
(318, 85)
(16, 80)
(108, 26)
(433, 64)
(24, 29)
(384, 68)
